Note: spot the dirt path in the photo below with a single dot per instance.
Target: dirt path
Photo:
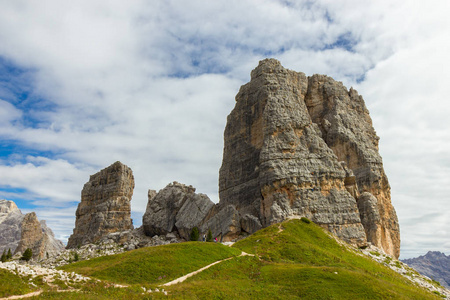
(23, 296)
(37, 293)
(183, 278)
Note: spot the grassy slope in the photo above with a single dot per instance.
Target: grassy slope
(294, 260)
(153, 265)
(12, 284)
(298, 260)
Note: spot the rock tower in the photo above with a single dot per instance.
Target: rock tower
(19, 232)
(105, 205)
(305, 146)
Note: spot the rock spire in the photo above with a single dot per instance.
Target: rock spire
(305, 146)
(105, 205)
(19, 232)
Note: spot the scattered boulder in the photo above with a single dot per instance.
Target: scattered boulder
(250, 223)
(176, 208)
(105, 205)
(224, 223)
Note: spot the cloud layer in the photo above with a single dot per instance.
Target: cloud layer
(86, 83)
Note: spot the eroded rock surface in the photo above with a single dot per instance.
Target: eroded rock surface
(19, 232)
(105, 205)
(10, 225)
(305, 146)
(176, 208)
(38, 237)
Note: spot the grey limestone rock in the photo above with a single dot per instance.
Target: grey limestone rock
(176, 208)
(347, 129)
(192, 213)
(224, 223)
(283, 146)
(10, 225)
(105, 205)
(250, 223)
(19, 232)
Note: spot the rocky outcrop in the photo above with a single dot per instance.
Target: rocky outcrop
(176, 208)
(38, 237)
(347, 129)
(105, 205)
(10, 225)
(434, 264)
(19, 232)
(305, 146)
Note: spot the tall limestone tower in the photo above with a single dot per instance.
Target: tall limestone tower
(305, 146)
(105, 205)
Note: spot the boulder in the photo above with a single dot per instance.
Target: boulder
(176, 208)
(224, 223)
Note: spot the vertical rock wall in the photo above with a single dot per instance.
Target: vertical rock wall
(19, 232)
(298, 146)
(10, 225)
(38, 237)
(105, 205)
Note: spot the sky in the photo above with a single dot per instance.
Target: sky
(150, 83)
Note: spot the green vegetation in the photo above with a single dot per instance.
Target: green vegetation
(153, 265)
(292, 260)
(194, 234)
(209, 237)
(27, 255)
(298, 259)
(6, 256)
(305, 220)
(12, 284)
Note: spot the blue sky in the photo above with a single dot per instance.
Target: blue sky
(86, 83)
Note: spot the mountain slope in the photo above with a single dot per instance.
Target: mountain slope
(294, 259)
(434, 264)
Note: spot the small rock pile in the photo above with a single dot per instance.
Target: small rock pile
(48, 274)
(113, 243)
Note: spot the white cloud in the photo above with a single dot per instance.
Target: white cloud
(8, 113)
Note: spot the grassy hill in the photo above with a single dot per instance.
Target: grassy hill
(293, 260)
(12, 284)
(153, 265)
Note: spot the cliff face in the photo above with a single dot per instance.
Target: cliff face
(434, 264)
(19, 232)
(38, 237)
(305, 146)
(10, 225)
(105, 205)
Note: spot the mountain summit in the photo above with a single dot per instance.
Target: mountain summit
(434, 264)
(305, 146)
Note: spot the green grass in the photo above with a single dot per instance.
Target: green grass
(293, 260)
(153, 265)
(297, 261)
(12, 284)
